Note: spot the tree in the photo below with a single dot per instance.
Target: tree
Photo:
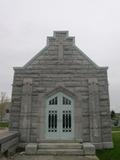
(3, 102)
(113, 114)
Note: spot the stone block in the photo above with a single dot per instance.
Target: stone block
(91, 157)
(107, 137)
(98, 146)
(8, 144)
(89, 148)
(86, 131)
(31, 148)
(107, 145)
(86, 138)
(12, 150)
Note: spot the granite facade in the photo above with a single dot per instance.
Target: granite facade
(62, 67)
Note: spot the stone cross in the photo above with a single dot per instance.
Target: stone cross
(60, 42)
(60, 50)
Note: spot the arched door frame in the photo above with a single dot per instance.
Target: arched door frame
(60, 117)
(76, 96)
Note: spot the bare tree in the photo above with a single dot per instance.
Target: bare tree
(3, 102)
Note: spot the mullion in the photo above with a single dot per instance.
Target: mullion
(66, 120)
(55, 120)
(69, 121)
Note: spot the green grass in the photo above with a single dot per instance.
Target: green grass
(116, 129)
(4, 124)
(111, 154)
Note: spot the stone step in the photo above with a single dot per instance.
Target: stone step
(60, 145)
(61, 141)
(60, 149)
(57, 151)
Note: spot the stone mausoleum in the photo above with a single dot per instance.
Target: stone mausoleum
(61, 95)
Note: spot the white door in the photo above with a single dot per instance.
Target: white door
(59, 117)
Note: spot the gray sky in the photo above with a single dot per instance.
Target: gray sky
(25, 24)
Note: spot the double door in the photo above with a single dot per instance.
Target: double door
(59, 117)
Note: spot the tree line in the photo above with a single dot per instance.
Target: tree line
(4, 105)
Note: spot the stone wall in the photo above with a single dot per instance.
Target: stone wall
(61, 64)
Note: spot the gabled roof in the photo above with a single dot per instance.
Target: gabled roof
(59, 37)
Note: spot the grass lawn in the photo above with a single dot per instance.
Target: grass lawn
(116, 129)
(111, 154)
(4, 124)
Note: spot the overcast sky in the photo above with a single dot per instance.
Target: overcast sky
(25, 24)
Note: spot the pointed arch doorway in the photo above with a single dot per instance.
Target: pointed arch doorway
(60, 117)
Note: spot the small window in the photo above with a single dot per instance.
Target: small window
(66, 101)
(53, 101)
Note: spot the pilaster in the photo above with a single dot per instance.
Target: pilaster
(25, 115)
(94, 111)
